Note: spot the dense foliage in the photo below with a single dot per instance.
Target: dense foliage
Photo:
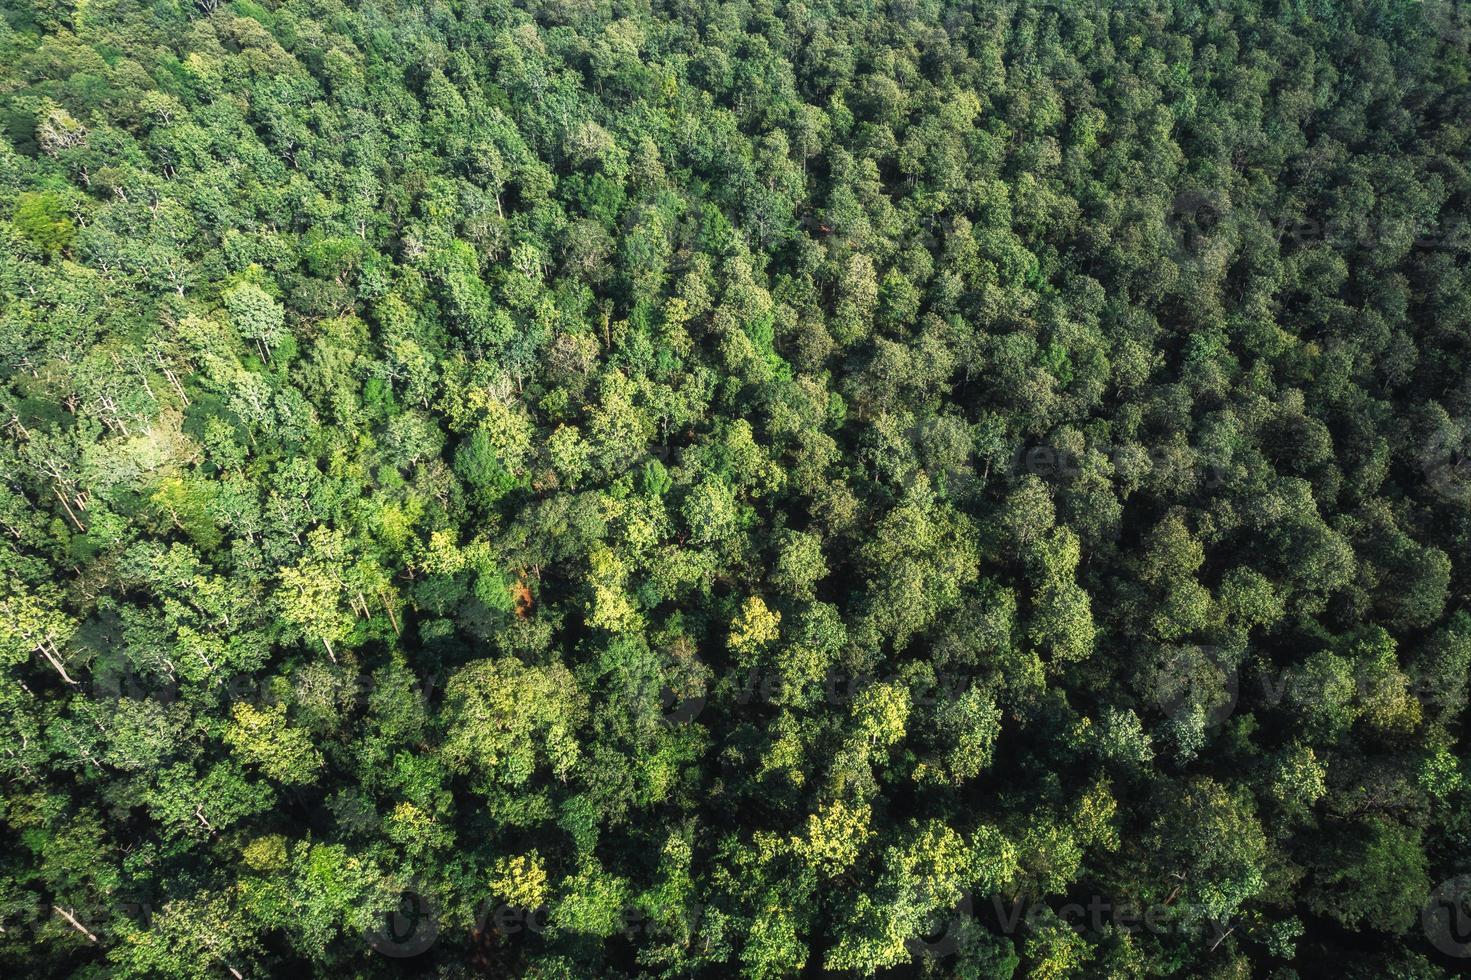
(573, 488)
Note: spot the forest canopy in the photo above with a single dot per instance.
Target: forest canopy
(735, 488)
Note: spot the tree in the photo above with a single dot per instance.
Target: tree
(1205, 850)
(505, 720)
(256, 316)
(800, 564)
(41, 218)
(263, 738)
(312, 592)
(195, 937)
(712, 489)
(1372, 873)
(755, 628)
